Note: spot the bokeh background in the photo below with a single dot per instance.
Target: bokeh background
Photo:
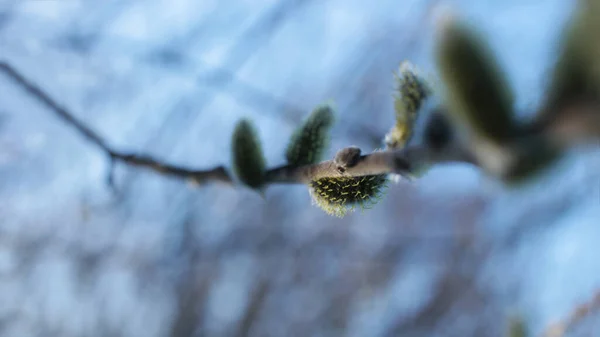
(452, 254)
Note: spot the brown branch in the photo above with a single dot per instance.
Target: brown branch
(391, 161)
(218, 173)
(578, 123)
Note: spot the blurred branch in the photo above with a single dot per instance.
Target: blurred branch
(192, 296)
(576, 315)
(192, 288)
(253, 310)
(452, 286)
(578, 123)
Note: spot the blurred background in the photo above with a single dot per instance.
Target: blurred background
(452, 254)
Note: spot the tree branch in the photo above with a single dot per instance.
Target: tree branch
(577, 123)
(391, 161)
(218, 173)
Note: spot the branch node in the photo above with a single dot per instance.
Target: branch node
(347, 157)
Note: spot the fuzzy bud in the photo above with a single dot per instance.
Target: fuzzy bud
(248, 160)
(411, 91)
(477, 92)
(309, 142)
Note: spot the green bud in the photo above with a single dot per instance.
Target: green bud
(309, 141)
(248, 159)
(576, 74)
(477, 92)
(410, 93)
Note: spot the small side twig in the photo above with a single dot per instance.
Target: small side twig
(575, 316)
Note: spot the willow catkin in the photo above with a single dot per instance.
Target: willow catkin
(309, 142)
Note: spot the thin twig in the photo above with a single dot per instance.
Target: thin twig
(575, 316)
(218, 173)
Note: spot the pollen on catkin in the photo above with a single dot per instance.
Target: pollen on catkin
(340, 195)
(310, 140)
(335, 195)
(248, 159)
(410, 93)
